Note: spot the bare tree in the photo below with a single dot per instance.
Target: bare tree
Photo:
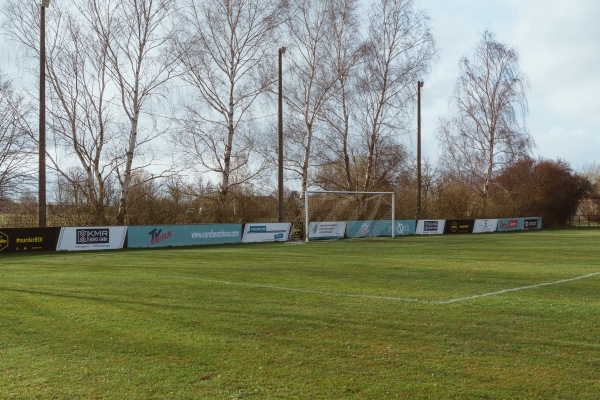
(136, 38)
(312, 81)
(346, 50)
(17, 149)
(399, 52)
(105, 61)
(77, 104)
(226, 54)
(486, 131)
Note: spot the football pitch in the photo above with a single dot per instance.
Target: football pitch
(490, 316)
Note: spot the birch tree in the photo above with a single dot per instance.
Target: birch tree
(346, 51)
(399, 52)
(105, 63)
(136, 37)
(311, 82)
(486, 131)
(227, 52)
(76, 100)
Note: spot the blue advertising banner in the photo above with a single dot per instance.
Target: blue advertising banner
(151, 236)
(358, 229)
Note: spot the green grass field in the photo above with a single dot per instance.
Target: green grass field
(492, 316)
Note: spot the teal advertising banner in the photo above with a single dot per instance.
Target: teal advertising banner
(151, 236)
(357, 229)
(519, 224)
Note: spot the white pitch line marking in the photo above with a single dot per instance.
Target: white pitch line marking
(367, 296)
(516, 289)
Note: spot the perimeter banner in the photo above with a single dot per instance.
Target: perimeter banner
(91, 238)
(430, 227)
(358, 229)
(326, 230)
(531, 223)
(261, 232)
(151, 236)
(519, 224)
(485, 225)
(18, 240)
(455, 226)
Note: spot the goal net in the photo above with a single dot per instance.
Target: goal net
(329, 214)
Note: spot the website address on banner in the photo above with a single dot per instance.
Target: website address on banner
(215, 234)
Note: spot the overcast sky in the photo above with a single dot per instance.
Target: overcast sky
(559, 45)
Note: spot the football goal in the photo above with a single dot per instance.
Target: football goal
(338, 207)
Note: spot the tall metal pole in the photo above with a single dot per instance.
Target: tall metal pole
(280, 144)
(42, 126)
(419, 185)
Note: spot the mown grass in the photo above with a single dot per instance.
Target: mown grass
(365, 320)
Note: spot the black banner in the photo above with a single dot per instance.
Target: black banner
(459, 226)
(531, 223)
(18, 240)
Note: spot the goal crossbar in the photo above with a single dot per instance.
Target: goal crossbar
(307, 192)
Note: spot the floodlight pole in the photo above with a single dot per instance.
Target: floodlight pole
(42, 119)
(419, 184)
(280, 141)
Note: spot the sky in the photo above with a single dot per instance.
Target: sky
(559, 46)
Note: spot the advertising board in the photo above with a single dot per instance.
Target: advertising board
(261, 232)
(326, 230)
(18, 240)
(430, 226)
(91, 238)
(519, 224)
(150, 236)
(358, 229)
(485, 225)
(456, 226)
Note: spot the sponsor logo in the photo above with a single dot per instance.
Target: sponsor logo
(400, 228)
(512, 224)
(279, 236)
(364, 229)
(315, 229)
(430, 226)
(87, 236)
(3, 241)
(531, 224)
(156, 236)
(257, 229)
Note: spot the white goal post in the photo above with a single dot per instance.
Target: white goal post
(307, 194)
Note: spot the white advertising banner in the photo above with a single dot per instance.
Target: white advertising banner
(430, 226)
(326, 230)
(91, 238)
(256, 232)
(485, 225)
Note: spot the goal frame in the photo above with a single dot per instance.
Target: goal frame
(308, 192)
